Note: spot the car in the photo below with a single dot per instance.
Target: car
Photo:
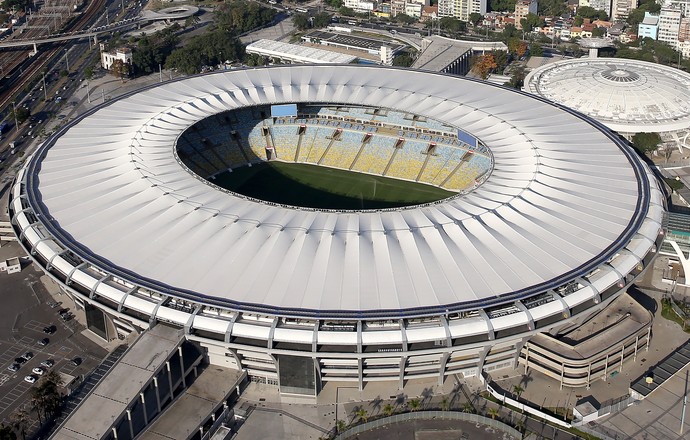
(19, 360)
(49, 330)
(43, 342)
(66, 316)
(48, 363)
(76, 361)
(28, 355)
(38, 370)
(63, 311)
(14, 367)
(30, 378)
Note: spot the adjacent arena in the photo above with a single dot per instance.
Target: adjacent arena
(628, 96)
(551, 217)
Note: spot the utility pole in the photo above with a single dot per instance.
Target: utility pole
(103, 95)
(67, 59)
(685, 403)
(160, 73)
(16, 121)
(88, 92)
(45, 89)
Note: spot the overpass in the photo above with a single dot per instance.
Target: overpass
(173, 13)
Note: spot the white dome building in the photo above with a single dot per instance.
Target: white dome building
(628, 96)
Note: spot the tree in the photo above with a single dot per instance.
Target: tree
(493, 412)
(509, 31)
(340, 425)
(322, 19)
(403, 60)
(445, 404)
(242, 16)
(120, 69)
(476, 18)
(551, 8)
(536, 50)
(404, 19)
(517, 78)
(484, 65)
(502, 5)
(646, 142)
(531, 21)
(6, 433)
(335, 4)
(599, 31)
(467, 408)
(88, 73)
(591, 13)
(388, 410)
(362, 414)
(21, 114)
(191, 21)
(414, 404)
(347, 12)
(301, 21)
(20, 421)
(210, 48)
(517, 389)
(517, 47)
(452, 25)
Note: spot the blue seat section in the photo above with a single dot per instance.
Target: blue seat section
(343, 151)
(408, 160)
(375, 155)
(209, 146)
(285, 140)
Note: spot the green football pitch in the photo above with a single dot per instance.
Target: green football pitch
(312, 186)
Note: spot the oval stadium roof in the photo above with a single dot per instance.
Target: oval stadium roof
(628, 96)
(563, 198)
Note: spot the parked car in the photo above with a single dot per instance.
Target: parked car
(48, 363)
(14, 367)
(38, 370)
(43, 342)
(49, 330)
(28, 355)
(30, 379)
(76, 361)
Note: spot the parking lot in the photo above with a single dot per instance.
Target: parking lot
(27, 310)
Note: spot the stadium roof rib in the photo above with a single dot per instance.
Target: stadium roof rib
(563, 198)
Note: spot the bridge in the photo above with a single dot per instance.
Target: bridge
(173, 13)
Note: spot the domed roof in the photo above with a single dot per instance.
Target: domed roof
(628, 96)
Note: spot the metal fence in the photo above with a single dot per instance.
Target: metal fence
(430, 415)
(616, 405)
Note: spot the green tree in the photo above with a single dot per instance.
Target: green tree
(362, 414)
(322, 19)
(404, 19)
(591, 13)
(551, 8)
(636, 15)
(414, 404)
(502, 5)
(598, 31)
(88, 73)
(388, 410)
(445, 404)
(340, 425)
(509, 31)
(120, 69)
(347, 12)
(242, 16)
(646, 143)
(6, 433)
(467, 408)
(518, 390)
(452, 25)
(334, 3)
(210, 48)
(493, 413)
(20, 421)
(301, 21)
(536, 50)
(476, 18)
(21, 114)
(531, 21)
(191, 21)
(517, 78)
(16, 5)
(403, 60)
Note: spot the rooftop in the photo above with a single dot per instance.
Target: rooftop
(438, 52)
(299, 53)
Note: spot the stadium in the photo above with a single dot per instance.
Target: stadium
(508, 216)
(628, 96)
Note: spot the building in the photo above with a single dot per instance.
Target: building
(11, 265)
(621, 8)
(684, 37)
(522, 8)
(601, 5)
(540, 240)
(628, 96)
(446, 55)
(296, 54)
(361, 5)
(123, 54)
(669, 25)
(683, 5)
(649, 26)
(461, 9)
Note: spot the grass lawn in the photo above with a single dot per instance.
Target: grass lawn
(313, 186)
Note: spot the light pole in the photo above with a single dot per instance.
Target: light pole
(67, 59)
(16, 121)
(45, 89)
(88, 92)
